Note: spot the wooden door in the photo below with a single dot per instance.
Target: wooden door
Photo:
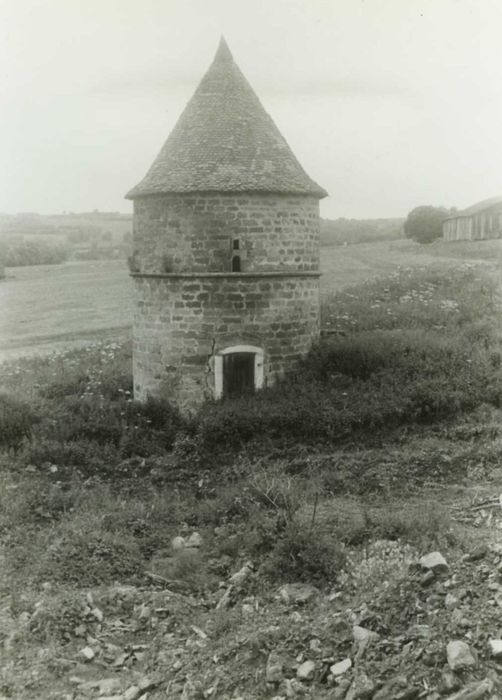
(238, 373)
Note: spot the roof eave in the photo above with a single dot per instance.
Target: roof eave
(135, 193)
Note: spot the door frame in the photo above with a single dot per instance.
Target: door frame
(218, 366)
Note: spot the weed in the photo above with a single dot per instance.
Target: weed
(302, 555)
(16, 421)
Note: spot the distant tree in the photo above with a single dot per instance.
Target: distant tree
(425, 224)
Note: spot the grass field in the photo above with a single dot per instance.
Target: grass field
(384, 445)
(48, 307)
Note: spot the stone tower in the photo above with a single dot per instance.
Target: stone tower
(225, 250)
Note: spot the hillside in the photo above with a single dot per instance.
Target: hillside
(271, 546)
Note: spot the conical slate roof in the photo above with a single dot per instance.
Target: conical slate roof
(224, 141)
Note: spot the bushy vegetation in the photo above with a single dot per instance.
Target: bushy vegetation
(417, 348)
(32, 252)
(414, 348)
(424, 224)
(16, 421)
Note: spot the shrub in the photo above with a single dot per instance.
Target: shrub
(55, 618)
(92, 558)
(425, 223)
(16, 421)
(303, 555)
(34, 252)
(36, 500)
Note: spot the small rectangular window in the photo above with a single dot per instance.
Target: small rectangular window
(235, 244)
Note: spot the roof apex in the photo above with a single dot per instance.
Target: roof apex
(224, 141)
(223, 54)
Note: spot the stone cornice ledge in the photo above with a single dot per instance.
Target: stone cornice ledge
(229, 275)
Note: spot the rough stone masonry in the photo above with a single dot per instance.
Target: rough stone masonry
(225, 248)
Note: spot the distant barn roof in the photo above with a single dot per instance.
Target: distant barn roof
(477, 208)
(225, 141)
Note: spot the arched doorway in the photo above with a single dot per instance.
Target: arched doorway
(238, 370)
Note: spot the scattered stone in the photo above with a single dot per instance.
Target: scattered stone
(340, 691)
(364, 636)
(362, 688)
(178, 543)
(427, 579)
(479, 552)
(419, 632)
(147, 683)
(451, 601)
(274, 670)
(495, 647)
(315, 646)
(195, 540)
(341, 667)
(435, 562)
(247, 609)
(449, 682)
(394, 689)
(225, 599)
(200, 633)
(459, 655)
(240, 576)
(298, 593)
(87, 653)
(98, 614)
(132, 693)
(294, 688)
(306, 671)
(108, 685)
(473, 691)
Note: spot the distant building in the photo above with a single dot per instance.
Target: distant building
(481, 221)
(225, 250)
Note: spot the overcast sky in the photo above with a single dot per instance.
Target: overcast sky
(388, 104)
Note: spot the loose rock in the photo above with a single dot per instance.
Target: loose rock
(274, 670)
(306, 671)
(364, 636)
(361, 689)
(435, 562)
(451, 601)
(495, 647)
(340, 691)
(298, 593)
(341, 667)
(87, 653)
(459, 655)
(195, 540)
(178, 543)
(473, 691)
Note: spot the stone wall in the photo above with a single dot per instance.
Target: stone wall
(182, 321)
(195, 232)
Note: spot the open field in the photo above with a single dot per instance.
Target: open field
(48, 307)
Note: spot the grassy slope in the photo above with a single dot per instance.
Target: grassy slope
(288, 509)
(52, 305)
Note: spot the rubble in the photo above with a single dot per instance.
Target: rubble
(306, 670)
(435, 562)
(459, 655)
(341, 667)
